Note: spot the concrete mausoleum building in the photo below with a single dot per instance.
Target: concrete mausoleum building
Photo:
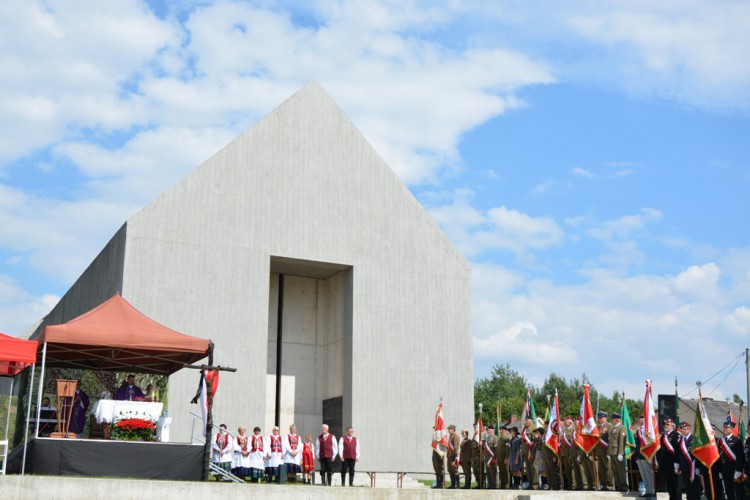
(376, 305)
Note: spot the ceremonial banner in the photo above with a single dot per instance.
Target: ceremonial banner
(552, 436)
(202, 397)
(703, 446)
(730, 418)
(629, 437)
(528, 413)
(479, 430)
(743, 428)
(650, 441)
(528, 409)
(440, 436)
(587, 433)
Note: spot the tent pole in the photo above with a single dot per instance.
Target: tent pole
(41, 384)
(10, 399)
(28, 417)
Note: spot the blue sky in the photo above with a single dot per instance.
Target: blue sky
(590, 158)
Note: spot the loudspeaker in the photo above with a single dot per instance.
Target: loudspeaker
(667, 409)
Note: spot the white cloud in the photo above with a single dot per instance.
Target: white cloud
(69, 63)
(698, 281)
(60, 238)
(500, 228)
(19, 309)
(646, 323)
(522, 342)
(687, 51)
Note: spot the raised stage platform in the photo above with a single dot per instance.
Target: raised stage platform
(105, 458)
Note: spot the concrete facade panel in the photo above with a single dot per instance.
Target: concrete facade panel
(303, 183)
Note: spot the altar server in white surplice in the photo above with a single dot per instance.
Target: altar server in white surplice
(223, 448)
(258, 450)
(274, 456)
(292, 444)
(241, 462)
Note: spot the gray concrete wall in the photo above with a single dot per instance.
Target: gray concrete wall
(303, 183)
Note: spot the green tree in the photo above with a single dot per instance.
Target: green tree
(506, 383)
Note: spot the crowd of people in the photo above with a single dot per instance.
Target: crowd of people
(518, 458)
(265, 458)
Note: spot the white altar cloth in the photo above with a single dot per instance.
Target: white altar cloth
(107, 410)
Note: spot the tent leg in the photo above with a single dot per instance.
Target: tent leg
(10, 400)
(41, 385)
(28, 417)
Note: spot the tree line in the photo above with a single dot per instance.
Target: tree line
(509, 387)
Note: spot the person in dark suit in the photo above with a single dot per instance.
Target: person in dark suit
(686, 467)
(732, 458)
(667, 458)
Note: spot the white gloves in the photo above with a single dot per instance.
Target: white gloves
(619, 458)
(737, 475)
(578, 458)
(676, 468)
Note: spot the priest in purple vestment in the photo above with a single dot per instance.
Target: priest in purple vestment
(80, 406)
(129, 391)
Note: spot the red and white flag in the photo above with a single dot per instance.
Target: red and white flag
(650, 441)
(479, 430)
(212, 376)
(440, 435)
(587, 433)
(730, 418)
(552, 436)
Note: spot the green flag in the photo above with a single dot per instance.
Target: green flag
(703, 446)
(629, 437)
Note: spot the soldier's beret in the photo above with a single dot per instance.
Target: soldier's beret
(668, 421)
(685, 425)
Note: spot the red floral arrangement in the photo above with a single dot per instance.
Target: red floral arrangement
(134, 429)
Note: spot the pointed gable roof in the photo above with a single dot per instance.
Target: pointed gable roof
(116, 336)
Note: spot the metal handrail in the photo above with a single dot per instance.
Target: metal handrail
(218, 471)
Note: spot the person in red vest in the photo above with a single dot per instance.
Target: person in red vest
(308, 459)
(349, 452)
(325, 451)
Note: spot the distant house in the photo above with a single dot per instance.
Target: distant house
(716, 411)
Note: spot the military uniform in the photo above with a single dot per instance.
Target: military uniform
(604, 468)
(437, 465)
(467, 459)
(585, 464)
(666, 457)
(566, 455)
(528, 458)
(453, 450)
(732, 458)
(491, 444)
(616, 451)
(551, 467)
(476, 463)
(501, 456)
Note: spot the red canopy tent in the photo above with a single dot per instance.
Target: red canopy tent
(16, 355)
(116, 336)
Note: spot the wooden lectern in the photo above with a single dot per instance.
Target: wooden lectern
(66, 392)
